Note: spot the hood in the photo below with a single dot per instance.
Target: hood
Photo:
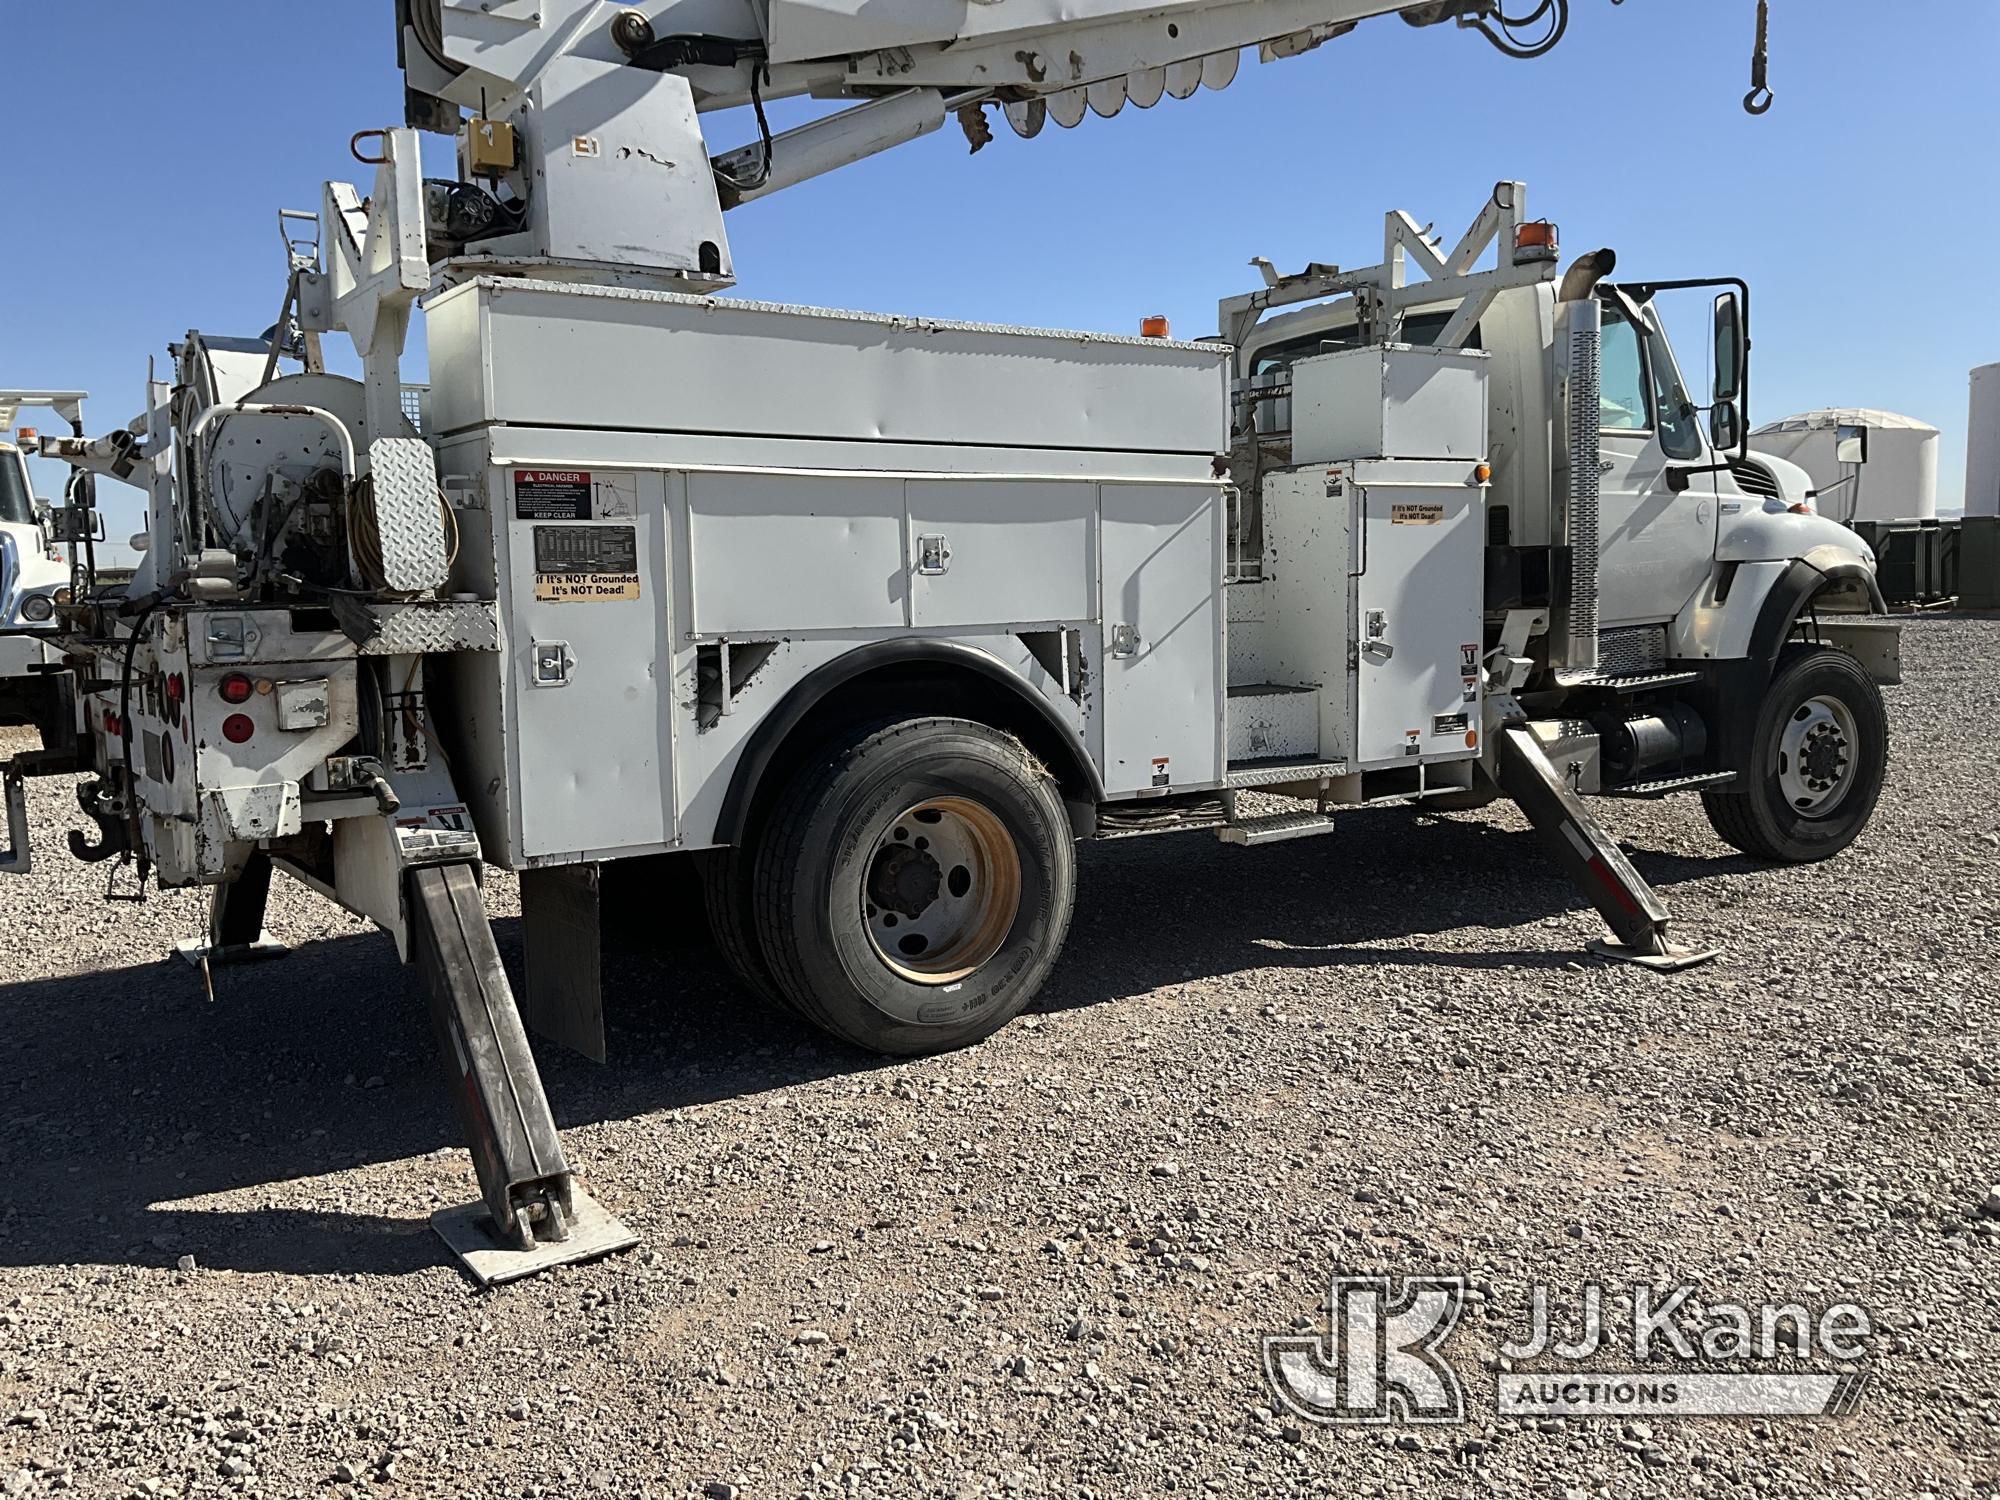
(1759, 524)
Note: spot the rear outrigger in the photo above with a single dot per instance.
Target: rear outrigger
(876, 618)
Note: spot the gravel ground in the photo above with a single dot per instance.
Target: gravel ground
(1041, 1267)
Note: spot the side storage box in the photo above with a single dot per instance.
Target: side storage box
(1389, 401)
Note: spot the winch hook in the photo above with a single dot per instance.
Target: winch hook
(1760, 98)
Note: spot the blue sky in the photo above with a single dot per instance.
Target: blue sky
(152, 156)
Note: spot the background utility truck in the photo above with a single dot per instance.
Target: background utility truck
(877, 617)
(34, 578)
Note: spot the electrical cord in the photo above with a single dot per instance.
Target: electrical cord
(364, 540)
(135, 837)
(763, 174)
(1508, 33)
(669, 54)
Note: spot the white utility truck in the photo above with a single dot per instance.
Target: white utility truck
(34, 578)
(877, 617)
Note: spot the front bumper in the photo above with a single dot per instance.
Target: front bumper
(18, 653)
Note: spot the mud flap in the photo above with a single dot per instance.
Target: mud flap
(559, 928)
(533, 1215)
(16, 858)
(1591, 857)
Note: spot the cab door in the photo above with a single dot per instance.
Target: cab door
(1658, 546)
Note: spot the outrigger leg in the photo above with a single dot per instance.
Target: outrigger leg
(533, 1216)
(1592, 858)
(236, 920)
(16, 858)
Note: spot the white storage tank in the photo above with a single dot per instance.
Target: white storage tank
(1867, 465)
(1982, 457)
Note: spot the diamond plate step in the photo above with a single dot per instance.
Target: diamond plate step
(409, 515)
(1640, 682)
(1278, 829)
(1281, 772)
(1646, 791)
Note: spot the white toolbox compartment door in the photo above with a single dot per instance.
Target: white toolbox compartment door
(590, 650)
(1419, 613)
(1163, 639)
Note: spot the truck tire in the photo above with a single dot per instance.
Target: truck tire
(726, 892)
(914, 885)
(1817, 761)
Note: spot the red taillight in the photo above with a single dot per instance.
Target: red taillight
(236, 688)
(238, 728)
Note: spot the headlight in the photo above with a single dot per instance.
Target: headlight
(38, 609)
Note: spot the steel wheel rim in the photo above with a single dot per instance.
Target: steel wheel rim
(941, 890)
(1816, 754)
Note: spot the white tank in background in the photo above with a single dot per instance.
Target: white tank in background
(1982, 457)
(1866, 465)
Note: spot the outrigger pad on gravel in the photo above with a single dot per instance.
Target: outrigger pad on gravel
(469, 1233)
(1673, 961)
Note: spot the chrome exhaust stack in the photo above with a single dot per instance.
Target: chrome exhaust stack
(1579, 339)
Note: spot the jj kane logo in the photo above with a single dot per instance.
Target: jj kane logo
(1381, 1357)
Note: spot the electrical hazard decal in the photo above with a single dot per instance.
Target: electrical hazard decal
(586, 564)
(1416, 515)
(574, 495)
(552, 495)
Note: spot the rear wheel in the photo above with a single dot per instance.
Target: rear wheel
(914, 886)
(1817, 763)
(726, 890)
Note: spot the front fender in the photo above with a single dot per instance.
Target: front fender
(1740, 626)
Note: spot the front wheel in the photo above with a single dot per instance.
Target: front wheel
(1817, 763)
(914, 885)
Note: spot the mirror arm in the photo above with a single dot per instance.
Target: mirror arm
(1681, 476)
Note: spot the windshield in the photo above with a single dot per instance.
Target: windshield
(17, 501)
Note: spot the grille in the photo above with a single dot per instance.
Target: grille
(416, 403)
(1755, 479)
(1585, 497)
(1627, 653)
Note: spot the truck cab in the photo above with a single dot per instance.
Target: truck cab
(1662, 546)
(1711, 580)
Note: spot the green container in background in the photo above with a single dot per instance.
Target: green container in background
(1979, 562)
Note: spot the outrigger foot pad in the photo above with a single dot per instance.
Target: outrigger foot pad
(472, 1236)
(1591, 858)
(531, 1215)
(1670, 961)
(195, 952)
(236, 932)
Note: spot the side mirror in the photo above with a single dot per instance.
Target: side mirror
(1732, 350)
(1725, 426)
(1851, 445)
